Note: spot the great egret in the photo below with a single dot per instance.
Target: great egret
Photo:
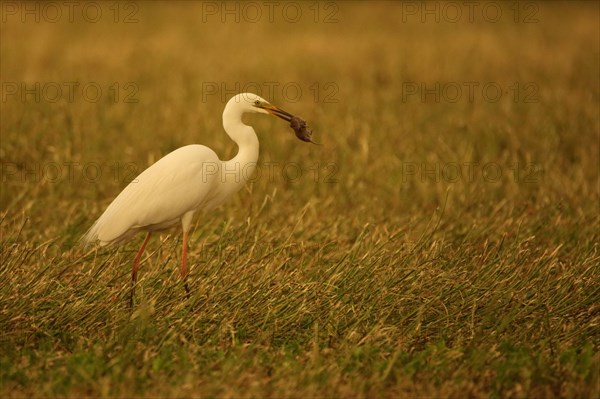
(183, 181)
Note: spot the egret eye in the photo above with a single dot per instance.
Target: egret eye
(257, 103)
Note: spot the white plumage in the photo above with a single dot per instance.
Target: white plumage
(183, 181)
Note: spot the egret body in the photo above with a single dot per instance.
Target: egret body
(186, 180)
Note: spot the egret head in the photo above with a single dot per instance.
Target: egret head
(250, 102)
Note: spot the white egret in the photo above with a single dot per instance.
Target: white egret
(176, 186)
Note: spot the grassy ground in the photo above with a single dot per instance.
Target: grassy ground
(440, 243)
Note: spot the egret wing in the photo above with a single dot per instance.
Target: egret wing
(176, 184)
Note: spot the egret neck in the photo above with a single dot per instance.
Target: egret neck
(240, 168)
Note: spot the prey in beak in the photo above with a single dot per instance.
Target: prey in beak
(296, 123)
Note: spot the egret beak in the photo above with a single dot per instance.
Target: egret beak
(273, 110)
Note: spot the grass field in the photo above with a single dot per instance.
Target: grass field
(443, 241)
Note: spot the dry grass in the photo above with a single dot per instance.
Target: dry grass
(376, 273)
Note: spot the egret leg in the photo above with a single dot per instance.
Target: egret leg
(136, 264)
(184, 264)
